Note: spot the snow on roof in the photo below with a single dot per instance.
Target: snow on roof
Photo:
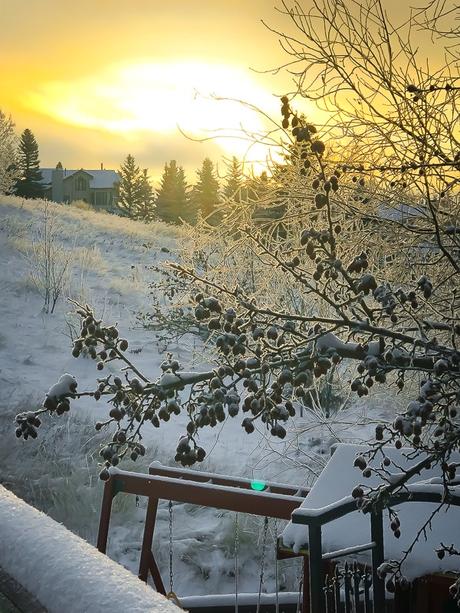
(103, 178)
(64, 572)
(100, 178)
(336, 483)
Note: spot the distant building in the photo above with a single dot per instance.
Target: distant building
(97, 187)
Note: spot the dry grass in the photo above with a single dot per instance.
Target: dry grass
(82, 205)
(156, 233)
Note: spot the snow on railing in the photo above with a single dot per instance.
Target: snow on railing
(64, 572)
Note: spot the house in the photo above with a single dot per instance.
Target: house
(97, 187)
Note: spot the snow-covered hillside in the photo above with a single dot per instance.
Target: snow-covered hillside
(109, 268)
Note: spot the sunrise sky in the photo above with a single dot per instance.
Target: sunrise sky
(98, 79)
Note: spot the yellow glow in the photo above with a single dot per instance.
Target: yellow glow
(159, 98)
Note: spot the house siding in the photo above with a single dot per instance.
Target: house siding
(77, 187)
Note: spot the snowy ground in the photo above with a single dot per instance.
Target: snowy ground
(110, 260)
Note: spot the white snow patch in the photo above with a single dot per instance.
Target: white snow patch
(331, 341)
(66, 385)
(244, 599)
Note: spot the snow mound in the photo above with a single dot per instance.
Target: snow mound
(66, 385)
(62, 570)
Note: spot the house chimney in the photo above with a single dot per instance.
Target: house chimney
(102, 166)
(57, 183)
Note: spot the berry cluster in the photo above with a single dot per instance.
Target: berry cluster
(27, 424)
(187, 455)
(110, 452)
(359, 263)
(99, 342)
(302, 133)
(319, 247)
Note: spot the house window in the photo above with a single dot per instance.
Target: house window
(81, 184)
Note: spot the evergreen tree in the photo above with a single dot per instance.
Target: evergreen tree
(173, 204)
(189, 212)
(131, 187)
(206, 192)
(30, 182)
(234, 181)
(146, 207)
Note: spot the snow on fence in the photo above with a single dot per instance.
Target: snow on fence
(64, 572)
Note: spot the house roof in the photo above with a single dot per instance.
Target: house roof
(99, 178)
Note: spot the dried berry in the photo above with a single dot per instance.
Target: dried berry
(318, 147)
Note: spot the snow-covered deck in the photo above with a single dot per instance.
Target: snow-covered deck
(334, 487)
(64, 572)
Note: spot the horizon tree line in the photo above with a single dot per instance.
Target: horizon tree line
(174, 202)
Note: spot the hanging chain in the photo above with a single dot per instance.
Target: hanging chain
(262, 562)
(236, 545)
(171, 595)
(277, 604)
(171, 578)
(300, 584)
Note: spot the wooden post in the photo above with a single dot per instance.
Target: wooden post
(155, 572)
(316, 569)
(104, 520)
(147, 561)
(378, 584)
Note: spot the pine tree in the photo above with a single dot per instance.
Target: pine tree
(188, 210)
(173, 204)
(234, 181)
(206, 192)
(146, 207)
(131, 187)
(30, 182)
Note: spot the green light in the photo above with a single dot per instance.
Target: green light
(257, 485)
